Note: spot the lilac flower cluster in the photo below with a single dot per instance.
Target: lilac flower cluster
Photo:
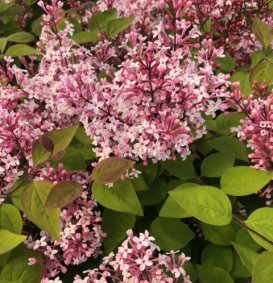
(81, 235)
(138, 260)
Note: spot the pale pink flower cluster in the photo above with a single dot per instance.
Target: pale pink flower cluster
(81, 235)
(138, 259)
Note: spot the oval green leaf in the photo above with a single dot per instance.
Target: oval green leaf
(261, 221)
(170, 234)
(212, 274)
(263, 268)
(33, 199)
(242, 180)
(9, 240)
(10, 218)
(207, 204)
(121, 197)
(21, 50)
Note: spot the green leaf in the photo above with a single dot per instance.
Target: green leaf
(139, 184)
(256, 57)
(33, 199)
(73, 160)
(239, 270)
(99, 20)
(242, 76)
(263, 32)
(170, 234)
(115, 224)
(263, 268)
(227, 144)
(9, 240)
(242, 180)
(111, 169)
(17, 267)
(156, 193)
(62, 194)
(10, 218)
(227, 64)
(121, 197)
(181, 169)
(261, 221)
(116, 26)
(217, 256)
(219, 235)
(172, 209)
(216, 164)
(86, 36)
(248, 256)
(207, 204)
(21, 37)
(3, 43)
(243, 238)
(36, 27)
(262, 71)
(224, 122)
(60, 138)
(209, 274)
(149, 172)
(21, 50)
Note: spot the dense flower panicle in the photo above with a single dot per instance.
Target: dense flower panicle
(138, 260)
(81, 235)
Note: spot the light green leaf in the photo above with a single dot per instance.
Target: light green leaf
(242, 76)
(121, 197)
(263, 268)
(9, 240)
(116, 26)
(33, 199)
(21, 37)
(217, 256)
(216, 164)
(243, 238)
(172, 209)
(263, 32)
(248, 256)
(212, 274)
(3, 43)
(256, 57)
(21, 50)
(170, 234)
(243, 180)
(10, 218)
(99, 20)
(261, 222)
(115, 224)
(86, 36)
(262, 71)
(62, 194)
(207, 204)
(60, 138)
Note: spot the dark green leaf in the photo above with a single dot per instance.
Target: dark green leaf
(99, 20)
(86, 36)
(170, 234)
(116, 26)
(211, 274)
(242, 76)
(115, 224)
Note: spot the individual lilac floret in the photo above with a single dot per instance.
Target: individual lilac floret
(138, 260)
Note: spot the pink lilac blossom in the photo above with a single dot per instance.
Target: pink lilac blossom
(138, 260)
(81, 235)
